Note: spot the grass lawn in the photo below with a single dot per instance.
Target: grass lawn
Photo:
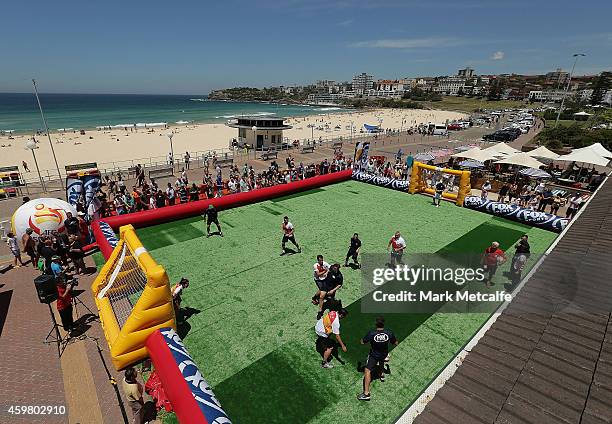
(252, 331)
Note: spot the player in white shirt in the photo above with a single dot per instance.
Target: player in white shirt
(321, 270)
(327, 325)
(288, 235)
(397, 244)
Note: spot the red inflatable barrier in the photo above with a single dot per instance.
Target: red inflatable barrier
(192, 399)
(186, 210)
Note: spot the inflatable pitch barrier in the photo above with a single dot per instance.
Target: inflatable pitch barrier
(514, 212)
(386, 182)
(191, 397)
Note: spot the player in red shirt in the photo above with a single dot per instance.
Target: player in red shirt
(492, 257)
(397, 244)
(288, 235)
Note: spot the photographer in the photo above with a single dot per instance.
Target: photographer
(64, 295)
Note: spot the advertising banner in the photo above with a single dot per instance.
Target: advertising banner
(516, 213)
(392, 183)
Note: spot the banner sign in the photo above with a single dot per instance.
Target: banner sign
(542, 220)
(79, 166)
(191, 396)
(74, 190)
(392, 183)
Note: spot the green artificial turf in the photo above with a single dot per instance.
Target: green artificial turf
(251, 324)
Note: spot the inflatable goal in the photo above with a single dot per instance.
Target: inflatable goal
(425, 177)
(132, 294)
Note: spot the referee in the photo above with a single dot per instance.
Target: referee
(212, 217)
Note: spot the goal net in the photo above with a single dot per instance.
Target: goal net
(133, 296)
(425, 177)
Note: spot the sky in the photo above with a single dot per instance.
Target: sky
(194, 46)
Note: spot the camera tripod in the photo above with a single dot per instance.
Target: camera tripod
(57, 338)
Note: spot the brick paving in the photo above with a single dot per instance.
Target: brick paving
(30, 371)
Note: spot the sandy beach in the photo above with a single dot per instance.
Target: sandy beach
(106, 146)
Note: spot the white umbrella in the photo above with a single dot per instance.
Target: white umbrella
(469, 163)
(502, 148)
(521, 159)
(475, 154)
(543, 152)
(599, 149)
(534, 173)
(585, 156)
(424, 157)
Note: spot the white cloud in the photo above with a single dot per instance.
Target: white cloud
(498, 55)
(409, 43)
(345, 23)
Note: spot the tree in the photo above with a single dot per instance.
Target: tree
(602, 84)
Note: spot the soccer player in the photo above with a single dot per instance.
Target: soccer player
(379, 340)
(288, 235)
(327, 325)
(327, 289)
(397, 245)
(353, 251)
(491, 258)
(321, 269)
(212, 217)
(438, 195)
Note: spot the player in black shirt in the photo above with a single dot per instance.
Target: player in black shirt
(438, 196)
(327, 296)
(379, 340)
(353, 251)
(212, 218)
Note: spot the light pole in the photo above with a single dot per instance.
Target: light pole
(59, 174)
(170, 135)
(352, 129)
(576, 56)
(31, 145)
(254, 128)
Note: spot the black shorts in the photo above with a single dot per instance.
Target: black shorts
(352, 254)
(324, 343)
(212, 221)
(289, 238)
(372, 362)
(321, 284)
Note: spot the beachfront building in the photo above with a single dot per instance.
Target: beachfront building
(546, 95)
(259, 132)
(466, 73)
(559, 77)
(451, 86)
(362, 83)
(328, 99)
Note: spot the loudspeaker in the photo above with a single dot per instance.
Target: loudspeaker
(45, 288)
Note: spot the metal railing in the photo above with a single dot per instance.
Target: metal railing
(51, 179)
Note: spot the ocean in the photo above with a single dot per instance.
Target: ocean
(19, 111)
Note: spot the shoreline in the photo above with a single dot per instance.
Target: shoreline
(119, 145)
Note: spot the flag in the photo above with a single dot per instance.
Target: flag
(74, 190)
(91, 184)
(360, 161)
